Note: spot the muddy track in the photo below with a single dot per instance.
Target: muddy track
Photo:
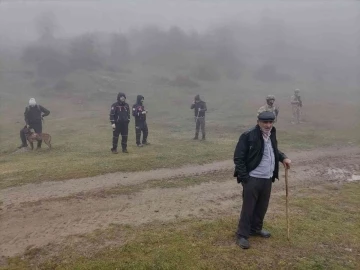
(36, 214)
(45, 190)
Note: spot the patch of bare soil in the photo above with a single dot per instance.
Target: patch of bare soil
(33, 215)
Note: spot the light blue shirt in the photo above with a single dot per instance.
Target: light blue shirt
(267, 165)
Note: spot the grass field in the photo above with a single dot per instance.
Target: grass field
(81, 132)
(324, 235)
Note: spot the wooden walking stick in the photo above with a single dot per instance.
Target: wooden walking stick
(287, 202)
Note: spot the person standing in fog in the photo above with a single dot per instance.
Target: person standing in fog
(120, 119)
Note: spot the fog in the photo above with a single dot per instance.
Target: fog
(273, 41)
(75, 17)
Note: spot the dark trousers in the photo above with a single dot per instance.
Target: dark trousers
(200, 124)
(123, 129)
(141, 127)
(256, 196)
(37, 127)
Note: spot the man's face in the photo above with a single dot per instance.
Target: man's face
(142, 101)
(122, 99)
(266, 125)
(270, 102)
(196, 100)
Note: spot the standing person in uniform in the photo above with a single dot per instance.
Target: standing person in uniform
(33, 115)
(139, 112)
(270, 107)
(256, 161)
(120, 118)
(199, 108)
(296, 104)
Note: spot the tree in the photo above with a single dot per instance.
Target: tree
(119, 50)
(84, 53)
(46, 26)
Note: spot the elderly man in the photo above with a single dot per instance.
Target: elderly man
(256, 161)
(270, 106)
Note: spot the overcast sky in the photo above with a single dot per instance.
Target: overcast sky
(16, 17)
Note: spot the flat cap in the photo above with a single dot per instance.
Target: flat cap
(266, 116)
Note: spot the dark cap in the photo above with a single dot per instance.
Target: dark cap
(266, 116)
(197, 97)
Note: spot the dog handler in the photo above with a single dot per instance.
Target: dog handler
(33, 115)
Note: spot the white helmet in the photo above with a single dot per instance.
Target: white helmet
(32, 102)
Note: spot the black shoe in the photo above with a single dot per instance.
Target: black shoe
(114, 150)
(262, 233)
(203, 139)
(243, 243)
(195, 138)
(125, 151)
(145, 143)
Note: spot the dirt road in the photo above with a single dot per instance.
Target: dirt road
(39, 214)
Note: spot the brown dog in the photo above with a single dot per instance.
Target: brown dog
(32, 137)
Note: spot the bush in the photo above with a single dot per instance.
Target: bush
(206, 73)
(48, 61)
(183, 81)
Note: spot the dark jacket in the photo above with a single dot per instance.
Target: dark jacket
(249, 151)
(137, 110)
(34, 114)
(201, 105)
(120, 113)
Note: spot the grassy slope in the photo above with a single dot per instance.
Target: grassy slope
(82, 135)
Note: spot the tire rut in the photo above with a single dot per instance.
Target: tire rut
(36, 192)
(37, 224)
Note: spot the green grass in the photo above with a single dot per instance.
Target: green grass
(324, 235)
(81, 132)
(82, 141)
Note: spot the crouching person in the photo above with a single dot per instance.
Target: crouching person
(34, 114)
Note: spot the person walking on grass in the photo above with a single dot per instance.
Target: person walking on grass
(256, 160)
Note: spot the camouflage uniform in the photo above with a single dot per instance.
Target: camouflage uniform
(269, 108)
(296, 104)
